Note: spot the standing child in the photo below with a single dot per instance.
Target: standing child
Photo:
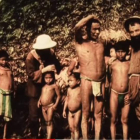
(49, 90)
(119, 97)
(6, 88)
(73, 103)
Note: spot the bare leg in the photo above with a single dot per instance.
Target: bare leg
(98, 116)
(98, 111)
(5, 130)
(91, 120)
(77, 119)
(124, 120)
(113, 111)
(50, 123)
(45, 115)
(48, 118)
(71, 124)
(86, 94)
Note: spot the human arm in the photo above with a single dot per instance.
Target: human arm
(57, 90)
(39, 102)
(71, 67)
(33, 72)
(65, 107)
(83, 22)
(48, 68)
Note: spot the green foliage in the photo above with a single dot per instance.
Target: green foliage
(21, 21)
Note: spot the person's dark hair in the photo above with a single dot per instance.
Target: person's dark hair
(76, 75)
(122, 45)
(50, 72)
(89, 26)
(3, 53)
(79, 34)
(132, 23)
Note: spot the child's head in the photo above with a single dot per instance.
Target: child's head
(49, 77)
(3, 57)
(112, 52)
(74, 80)
(122, 49)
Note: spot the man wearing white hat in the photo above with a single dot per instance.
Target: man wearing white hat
(39, 60)
(132, 26)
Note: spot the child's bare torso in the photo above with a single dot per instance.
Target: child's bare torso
(6, 79)
(91, 59)
(47, 95)
(120, 79)
(74, 99)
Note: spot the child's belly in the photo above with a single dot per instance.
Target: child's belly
(46, 100)
(120, 86)
(74, 106)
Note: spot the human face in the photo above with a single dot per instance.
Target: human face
(134, 30)
(112, 52)
(48, 79)
(73, 82)
(95, 30)
(121, 54)
(3, 61)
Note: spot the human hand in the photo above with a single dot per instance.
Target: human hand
(48, 68)
(64, 114)
(38, 104)
(127, 99)
(54, 107)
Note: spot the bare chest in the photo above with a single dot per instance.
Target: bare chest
(90, 51)
(120, 67)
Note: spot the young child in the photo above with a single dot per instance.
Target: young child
(108, 60)
(119, 98)
(73, 103)
(46, 100)
(6, 89)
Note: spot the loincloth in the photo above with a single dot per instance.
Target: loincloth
(134, 88)
(45, 108)
(120, 96)
(5, 105)
(96, 85)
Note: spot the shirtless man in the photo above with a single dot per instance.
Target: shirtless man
(6, 88)
(119, 98)
(73, 103)
(49, 90)
(92, 69)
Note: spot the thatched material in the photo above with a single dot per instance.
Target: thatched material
(111, 36)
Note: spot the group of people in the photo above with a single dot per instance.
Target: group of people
(87, 79)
